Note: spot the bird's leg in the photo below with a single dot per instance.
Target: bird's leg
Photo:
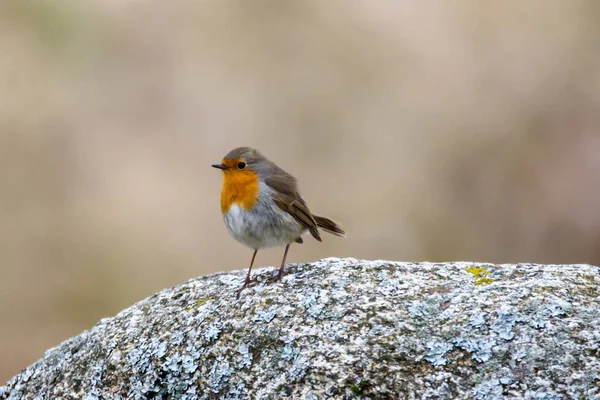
(280, 274)
(247, 281)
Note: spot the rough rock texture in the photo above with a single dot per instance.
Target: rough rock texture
(342, 329)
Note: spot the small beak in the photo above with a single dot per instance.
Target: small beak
(220, 166)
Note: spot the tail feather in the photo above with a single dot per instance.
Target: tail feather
(329, 226)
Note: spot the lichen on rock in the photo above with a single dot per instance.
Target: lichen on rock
(342, 329)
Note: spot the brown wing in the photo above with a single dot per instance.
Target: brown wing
(287, 198)
(329, 226)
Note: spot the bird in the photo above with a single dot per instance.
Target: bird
(262, 207)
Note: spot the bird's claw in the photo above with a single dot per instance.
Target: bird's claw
(276, 278)
(247, 282)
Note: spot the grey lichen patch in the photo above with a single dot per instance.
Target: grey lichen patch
(436, 352)
(342, 329)
(503, 325)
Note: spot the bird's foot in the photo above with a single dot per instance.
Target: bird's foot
(247, 282)
(277, 277)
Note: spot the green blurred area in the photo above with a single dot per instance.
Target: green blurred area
(431, 131)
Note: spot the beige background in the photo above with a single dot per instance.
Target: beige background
(433, 131)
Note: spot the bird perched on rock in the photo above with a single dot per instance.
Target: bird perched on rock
(261, 205)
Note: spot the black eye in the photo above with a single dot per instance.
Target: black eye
(241, 165)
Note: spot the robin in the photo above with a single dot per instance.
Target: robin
(262, 208)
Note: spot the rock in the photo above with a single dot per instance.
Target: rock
(342, 329)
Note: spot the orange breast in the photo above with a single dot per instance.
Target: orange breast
(239, 188)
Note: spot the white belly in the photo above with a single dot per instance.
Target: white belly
(266, 225)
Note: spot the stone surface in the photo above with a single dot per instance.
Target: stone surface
(342, 329)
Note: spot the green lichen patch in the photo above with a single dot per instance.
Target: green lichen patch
(481, 275)
(478, 272)
(198, 303)
(483, 281)
(359, 387)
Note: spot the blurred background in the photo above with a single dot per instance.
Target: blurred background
(433, 131)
